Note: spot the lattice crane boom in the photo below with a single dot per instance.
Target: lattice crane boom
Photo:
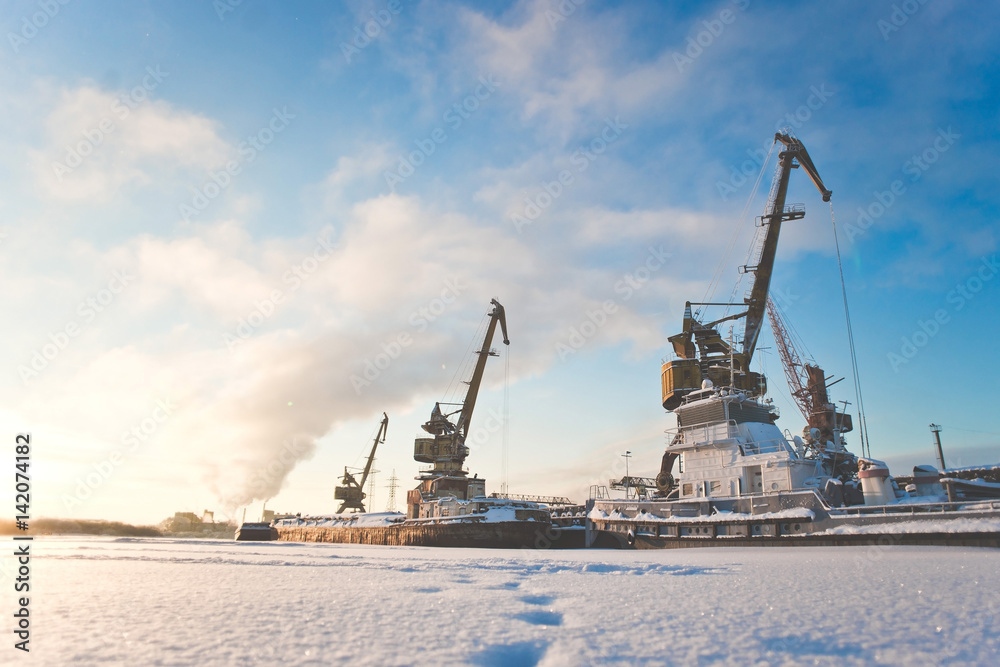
(795, 373)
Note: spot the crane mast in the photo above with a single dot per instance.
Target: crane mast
(351, 492)
(701, 351)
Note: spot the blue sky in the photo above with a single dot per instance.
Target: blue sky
(190, 168)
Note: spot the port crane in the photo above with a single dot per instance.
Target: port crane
(446, 448)
(700, 350)
(351, 492)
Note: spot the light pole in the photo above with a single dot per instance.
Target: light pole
(936, 430)
(627, 455)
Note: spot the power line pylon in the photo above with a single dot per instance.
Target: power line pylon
(392, 486)
(371, 488)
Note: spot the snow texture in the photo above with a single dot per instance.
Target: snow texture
(343, 520)
(945, 526)
(718, 517)
(201, 602)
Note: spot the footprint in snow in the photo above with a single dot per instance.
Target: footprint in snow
(549, 618)
(540, 600)
(526, 654)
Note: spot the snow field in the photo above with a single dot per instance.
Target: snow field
(194, 602)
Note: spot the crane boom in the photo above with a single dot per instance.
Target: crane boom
(808, 384)
(465, 416)
(790, 361)
(794, 155)
(383, 429)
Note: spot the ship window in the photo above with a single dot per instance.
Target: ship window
(687, 490)
(680, 464)
(714, 487)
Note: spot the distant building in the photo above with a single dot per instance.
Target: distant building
(185, 519)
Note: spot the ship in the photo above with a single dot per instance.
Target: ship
(448, 508)
(256, 531)
(730, 476)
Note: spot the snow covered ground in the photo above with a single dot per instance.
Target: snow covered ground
(183, 602)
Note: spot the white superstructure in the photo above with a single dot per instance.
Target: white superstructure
(727, 445)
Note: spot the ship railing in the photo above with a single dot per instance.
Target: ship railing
(922, 508)
(431, 468)
(765, 447)
(703, 433)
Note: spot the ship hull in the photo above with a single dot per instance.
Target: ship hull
(256, 532)
(501, 535)
(788, 519)
(615, 540)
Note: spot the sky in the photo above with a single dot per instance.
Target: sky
(234, 233)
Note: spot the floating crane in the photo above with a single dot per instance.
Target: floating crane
(446, 449)
(701, 351)
(352, 491)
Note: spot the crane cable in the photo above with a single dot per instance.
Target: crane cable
(466, 364)
(717, 276)
(865, 443)
(506, 422)
(366, 449)
(758, 233)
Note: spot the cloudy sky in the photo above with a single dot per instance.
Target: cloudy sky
(234, 233)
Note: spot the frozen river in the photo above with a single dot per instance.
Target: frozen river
(184, 602)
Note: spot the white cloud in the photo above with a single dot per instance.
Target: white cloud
(567, 71)
(97, 143)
